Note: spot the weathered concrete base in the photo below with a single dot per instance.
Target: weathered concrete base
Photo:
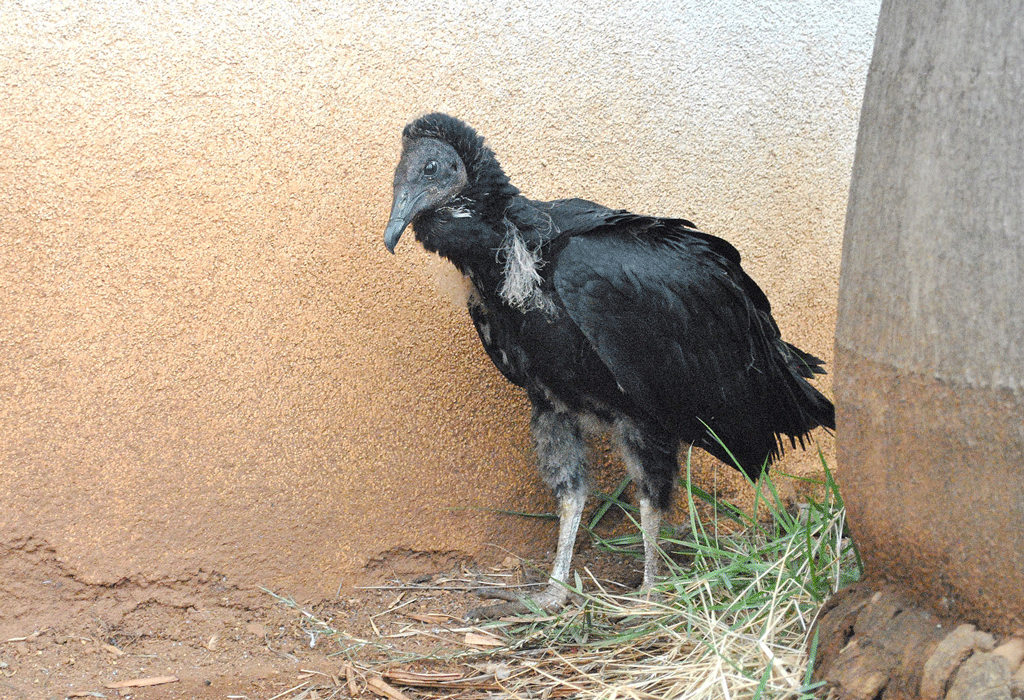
(874, 642)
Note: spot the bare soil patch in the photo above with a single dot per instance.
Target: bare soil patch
(205, 638)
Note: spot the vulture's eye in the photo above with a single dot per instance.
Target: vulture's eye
(430, 168)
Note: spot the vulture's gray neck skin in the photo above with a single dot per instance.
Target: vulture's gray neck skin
(642, 325)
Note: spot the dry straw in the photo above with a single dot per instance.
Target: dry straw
(732, 620)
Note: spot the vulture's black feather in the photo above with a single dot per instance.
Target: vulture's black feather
(644, 323)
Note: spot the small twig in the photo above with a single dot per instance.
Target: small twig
(379, 686)
(290, 690)
(141, 682)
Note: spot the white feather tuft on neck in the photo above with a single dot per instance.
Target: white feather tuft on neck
(521, 288)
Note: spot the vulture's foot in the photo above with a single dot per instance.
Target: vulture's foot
(551, 599)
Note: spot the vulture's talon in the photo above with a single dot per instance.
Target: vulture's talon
(499, 593)
(552, 599)
(498, 610)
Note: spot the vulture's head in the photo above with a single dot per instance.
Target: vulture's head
(443, 159)
(429, 174)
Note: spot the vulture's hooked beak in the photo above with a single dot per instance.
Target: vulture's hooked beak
(403, 210)
(392, 233)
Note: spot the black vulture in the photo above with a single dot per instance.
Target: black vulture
(641, 325)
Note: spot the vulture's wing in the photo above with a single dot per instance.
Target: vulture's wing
(672, 315)
(580, 217)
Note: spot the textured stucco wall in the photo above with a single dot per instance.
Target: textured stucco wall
(207, 359)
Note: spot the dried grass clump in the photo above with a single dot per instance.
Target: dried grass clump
(732, 620)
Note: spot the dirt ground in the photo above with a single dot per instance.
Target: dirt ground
(208, 639)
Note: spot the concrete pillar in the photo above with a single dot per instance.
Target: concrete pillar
(929, 376)
(930, 336)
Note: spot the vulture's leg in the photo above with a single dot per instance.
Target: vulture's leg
(650, 526)
(561, 456)
(653, 461)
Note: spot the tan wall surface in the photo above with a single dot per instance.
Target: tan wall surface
(208, 362)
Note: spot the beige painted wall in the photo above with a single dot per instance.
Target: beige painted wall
(208, 362)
